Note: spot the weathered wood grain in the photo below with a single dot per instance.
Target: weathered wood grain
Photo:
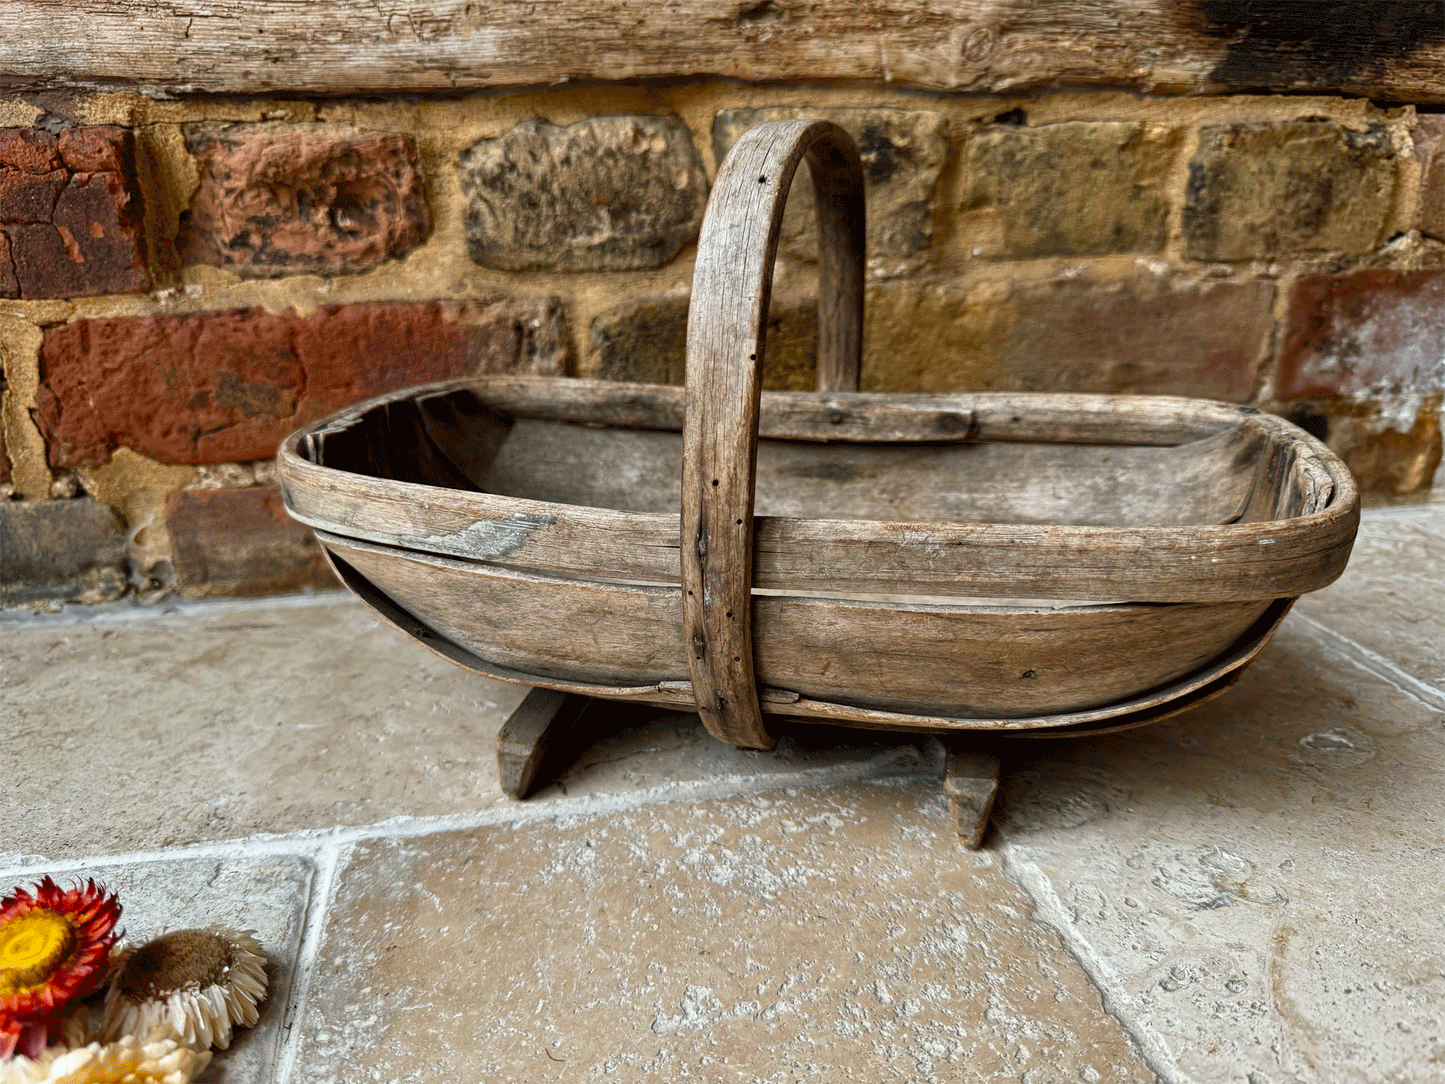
(1393, 49)
(970, 783)
(727, 332)
(1136, 553)
(1141, 709)
(920, 659)
(532, 735)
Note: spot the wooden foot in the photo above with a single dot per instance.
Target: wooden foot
(970, 782)
(540, 725)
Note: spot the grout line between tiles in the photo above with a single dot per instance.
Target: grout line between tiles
(1049, 910)
(308, 952)
(309, 841)
(1373, 663)
(129, 609)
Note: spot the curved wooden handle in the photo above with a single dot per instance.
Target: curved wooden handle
(726, 340)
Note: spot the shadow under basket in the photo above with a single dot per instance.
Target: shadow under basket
(995, 561)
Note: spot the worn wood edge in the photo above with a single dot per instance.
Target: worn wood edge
(987, 46)
(970, 784)
(1081, 418)
(679, 695)
(1087, 418)
(727, 339)
(1146, 717)
(532, 734)
(1163, 560)
(1164, 564)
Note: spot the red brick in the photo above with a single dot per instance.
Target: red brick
(103, 148)
(29, 197)
(224, 387)
(273, 200)
(1366, 335)
(72, 227)
(33, 150)
(9, 284)
(242, 542)
(98, 214)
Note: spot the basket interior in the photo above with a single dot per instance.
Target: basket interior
(456, 441)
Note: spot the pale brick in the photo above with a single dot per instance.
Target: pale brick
(645, 341)
(903, 153)
(1144, 335)
(1429, 138)
(1258, 191)
(605, 194)
(61, 551)
(1080, 188)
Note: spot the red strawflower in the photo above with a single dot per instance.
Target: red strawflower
(53, 948)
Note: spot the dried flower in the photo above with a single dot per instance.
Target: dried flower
(54, 946)
(194, 986)
(126, 1061)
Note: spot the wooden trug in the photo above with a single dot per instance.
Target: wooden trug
(997, 561)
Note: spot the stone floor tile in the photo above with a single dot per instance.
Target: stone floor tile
(827, 935)
(1391, 598)
(268, 894)
(224, 720)
(1258, 884)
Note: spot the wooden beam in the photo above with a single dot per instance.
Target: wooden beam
(537, 729)
(970, 783)
(1390, 50)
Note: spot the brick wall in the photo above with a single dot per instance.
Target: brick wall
(184, 282)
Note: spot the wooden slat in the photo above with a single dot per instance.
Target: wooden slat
(970, 783)
(1136, 710)
(980, 416)
(1382, 50)
(727, 331)
(922, 659)
(1178, 563)
(532, 735)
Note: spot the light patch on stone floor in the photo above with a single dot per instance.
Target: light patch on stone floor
(268, 895)
(826, 935)
(1257, 885)
(228, 720)
(1391, 598)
